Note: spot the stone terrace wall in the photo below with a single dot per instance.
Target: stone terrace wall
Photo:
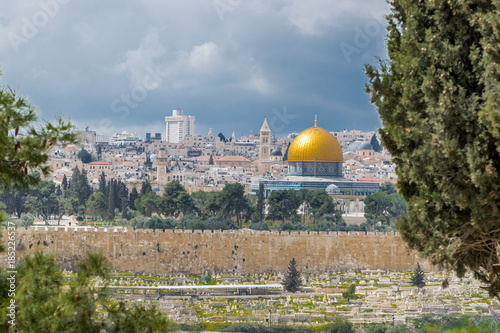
(239, 251)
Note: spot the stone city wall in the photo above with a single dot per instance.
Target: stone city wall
(238, 251)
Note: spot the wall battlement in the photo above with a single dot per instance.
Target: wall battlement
(230, 251)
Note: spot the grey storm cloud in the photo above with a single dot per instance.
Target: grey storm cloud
(124, 65)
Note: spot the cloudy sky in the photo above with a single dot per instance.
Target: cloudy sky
(126, 64)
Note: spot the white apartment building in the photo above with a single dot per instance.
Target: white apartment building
(178, 126)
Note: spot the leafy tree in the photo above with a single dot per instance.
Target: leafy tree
(149, 204)
(45, 304)
(176, 200)
(340, 326)
(438, 97)
(15, 200)
(261, 203)
(68, 206)
(220, 223)
(43, 200)
(212, 204)
(350, 293)
(418, 277)
(375, 144)
(85, 156)
(331, 222)
(260, 225)
(97, 205)
(321, 204)
(292, 280)
(24, 144)
(27, 220)
(388, 187)
(233, 202)
(211, 160)
(283, 204)
(384, 208)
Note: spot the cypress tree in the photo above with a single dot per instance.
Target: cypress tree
(102, 184)
(133, 195)
(261, 202)
(292, 279)
(64, 184)
(112, 199)
(438, 96)
(418, 277)
(375, 144)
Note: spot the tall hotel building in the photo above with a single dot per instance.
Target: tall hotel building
(178, 126)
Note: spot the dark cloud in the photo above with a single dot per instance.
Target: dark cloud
(124, 65)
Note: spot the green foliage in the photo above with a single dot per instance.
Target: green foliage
(45, 304)
(350, 293)
(291, 226)
(388, 187)
(292, 280)
(340, 326)
(375, 144)
(321, 204)
(149, 203)
(261, 204)
(43, 200)
(146, 187)
(79, 187)
(418, 277)
(384, 208)
(27, 220)
(232, 202)
(176, 200)
(85, 156)
(261, 225)
(283, 204)
(24, 145)
(97, 205)
(438, 97)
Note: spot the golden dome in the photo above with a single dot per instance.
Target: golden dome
(315, 144)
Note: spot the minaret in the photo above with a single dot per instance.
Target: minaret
(265, 142)
(161, 168)
(210, 135)
(233, 140)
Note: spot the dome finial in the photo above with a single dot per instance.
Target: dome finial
(316, 120)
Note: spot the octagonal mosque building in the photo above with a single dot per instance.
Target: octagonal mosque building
(314, 161)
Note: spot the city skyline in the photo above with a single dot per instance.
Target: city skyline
(229, 63)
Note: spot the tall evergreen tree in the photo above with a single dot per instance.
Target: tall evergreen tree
(375, 144)
(438, 97)
(112, 199)
(211, 160)
(261, 203)
(146, 187)
(102, 183)
(418, 277)
(64, 184)
(131, 200)
(292, 280)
